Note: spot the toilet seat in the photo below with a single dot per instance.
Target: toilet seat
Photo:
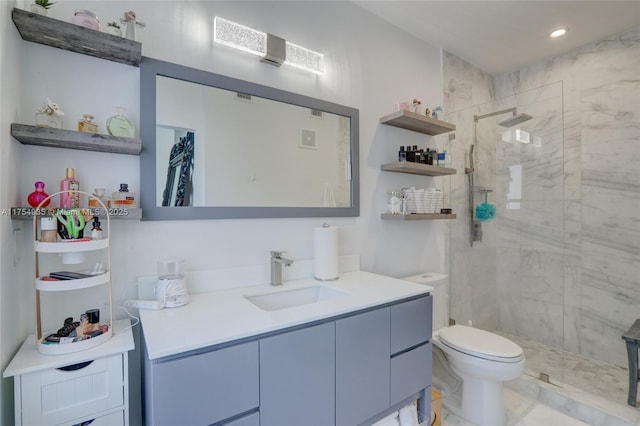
(481, 344)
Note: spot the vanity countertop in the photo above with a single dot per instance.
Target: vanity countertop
(225, 315)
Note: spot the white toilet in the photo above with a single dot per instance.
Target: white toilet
(473, 363)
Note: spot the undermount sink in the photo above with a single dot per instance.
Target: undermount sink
(290, 298)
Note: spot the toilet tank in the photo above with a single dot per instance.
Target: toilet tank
(440, 293)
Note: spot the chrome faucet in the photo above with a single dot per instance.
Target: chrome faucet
(277, 262)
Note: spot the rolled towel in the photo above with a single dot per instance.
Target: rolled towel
(390, 420)
(409, 416)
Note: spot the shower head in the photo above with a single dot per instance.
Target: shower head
(516, 119)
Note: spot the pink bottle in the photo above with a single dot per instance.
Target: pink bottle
(36, 197)
(70, 200)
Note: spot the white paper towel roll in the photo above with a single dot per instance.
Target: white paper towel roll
(325, 249)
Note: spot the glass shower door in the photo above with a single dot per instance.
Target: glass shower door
(530, 233)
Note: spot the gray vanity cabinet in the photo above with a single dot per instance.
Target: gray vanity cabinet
(362, 366)
(204, 388)
(297, 377)
(347, 370)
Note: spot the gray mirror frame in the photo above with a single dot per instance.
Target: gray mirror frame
(150, 68)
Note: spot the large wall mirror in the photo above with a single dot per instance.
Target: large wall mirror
(215, 147)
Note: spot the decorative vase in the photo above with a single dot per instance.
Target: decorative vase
(37, 9)
(36, 197)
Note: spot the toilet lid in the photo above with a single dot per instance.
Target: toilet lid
(480, 343)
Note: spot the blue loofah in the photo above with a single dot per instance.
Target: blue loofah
(485, 212)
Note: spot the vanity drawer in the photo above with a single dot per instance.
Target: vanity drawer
(57, 396)
(410, 372)
(411, 323)
(205, 388)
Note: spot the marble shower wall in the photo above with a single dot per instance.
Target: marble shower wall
(601, 84)
(565, 268)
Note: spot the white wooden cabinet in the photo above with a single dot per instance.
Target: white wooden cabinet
(73, 388)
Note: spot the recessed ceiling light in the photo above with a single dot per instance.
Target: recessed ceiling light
(558, 33)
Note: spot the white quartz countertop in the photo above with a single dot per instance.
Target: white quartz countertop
(223, 316)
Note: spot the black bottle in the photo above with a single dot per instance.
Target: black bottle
(402, 154)
(410, 155)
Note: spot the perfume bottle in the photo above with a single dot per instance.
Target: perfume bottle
(36, 197)
(119, 125)
(70, 199)
(123, 198)
(99, 194)
(85, 125)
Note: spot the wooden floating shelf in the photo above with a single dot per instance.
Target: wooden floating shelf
(417, 216)
(117, 213)
(64, 35)
(59, 138)
(417, 169)
(417, 123)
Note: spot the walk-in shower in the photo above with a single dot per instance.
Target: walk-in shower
(475, 226)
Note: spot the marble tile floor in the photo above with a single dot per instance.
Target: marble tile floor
(585, 391)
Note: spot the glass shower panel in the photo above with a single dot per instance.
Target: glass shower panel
(511, 279)
(529, 194)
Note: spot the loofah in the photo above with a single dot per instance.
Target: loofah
(485, 212)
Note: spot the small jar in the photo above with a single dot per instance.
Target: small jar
(86, 125)
(86, 19)
(48, 229)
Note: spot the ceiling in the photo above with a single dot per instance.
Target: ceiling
(500, 36)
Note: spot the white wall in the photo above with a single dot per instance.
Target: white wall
(16, 289)
(369, 65)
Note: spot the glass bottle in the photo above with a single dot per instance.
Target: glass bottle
(35, 198)
(123, 198)
(119, 125)
(85, 125)
(48, 120)
(70, 199)
(99, 194)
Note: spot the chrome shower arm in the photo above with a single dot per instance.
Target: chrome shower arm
(513, 110)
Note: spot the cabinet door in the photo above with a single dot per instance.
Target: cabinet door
(297, 377)
(205, 388)
(362, 366)
(411, 324)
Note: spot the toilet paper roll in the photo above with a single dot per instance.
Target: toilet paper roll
(325, 249)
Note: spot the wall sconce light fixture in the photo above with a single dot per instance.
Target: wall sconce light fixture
(271, 49)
